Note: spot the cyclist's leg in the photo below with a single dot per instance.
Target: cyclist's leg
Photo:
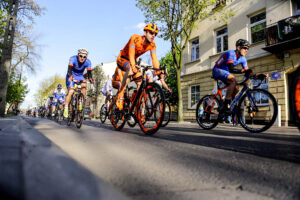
(70, 86)
(53, 107)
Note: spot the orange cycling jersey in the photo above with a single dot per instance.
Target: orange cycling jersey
(133, 49)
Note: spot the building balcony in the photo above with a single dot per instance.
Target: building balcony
(283, 35)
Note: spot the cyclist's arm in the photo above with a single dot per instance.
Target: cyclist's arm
(232, 69)
(164, 84)
(70, 66)
(131, 54)
(155, 61)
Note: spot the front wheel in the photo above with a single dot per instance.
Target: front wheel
(207, 112)
(80, 110)
(103, 114)
(151, 108)
(257, 110)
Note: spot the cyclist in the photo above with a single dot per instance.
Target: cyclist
(107, 91)
(136, 46)
(77, 65)
(160, 79)
(49, 103)
(225, 68)
(59, 96)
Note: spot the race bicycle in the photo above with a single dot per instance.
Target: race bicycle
(141, 107)
(59, 111)
(104, 111)
(255, 109)
(76, 106)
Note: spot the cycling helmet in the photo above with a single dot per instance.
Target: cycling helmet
(59, 86)
(151, 27)
(83, 50)
(51, 96)
(242, 43)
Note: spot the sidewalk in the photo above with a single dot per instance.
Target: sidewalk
(32, 167)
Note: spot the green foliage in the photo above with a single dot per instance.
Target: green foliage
(47, 88)
(16, 90)
(171, 79)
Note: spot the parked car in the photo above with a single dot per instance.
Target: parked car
(87, 113)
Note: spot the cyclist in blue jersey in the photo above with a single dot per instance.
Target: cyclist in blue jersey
(59, 96)
(225, 68)
(77, 65)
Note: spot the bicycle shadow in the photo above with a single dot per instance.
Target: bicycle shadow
(270, 146)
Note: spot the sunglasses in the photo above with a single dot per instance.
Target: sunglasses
(152, 33)
(246, 48)
(81, 56)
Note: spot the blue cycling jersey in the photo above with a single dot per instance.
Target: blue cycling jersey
(230, 57)
(77, 68)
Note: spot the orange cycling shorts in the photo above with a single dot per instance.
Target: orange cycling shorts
(123, 62)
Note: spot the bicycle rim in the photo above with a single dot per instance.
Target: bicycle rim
(151, 109)
(102, 114)
(79, 115)
(117, 118)
(207, 112)
(258, 111)
(167, 115)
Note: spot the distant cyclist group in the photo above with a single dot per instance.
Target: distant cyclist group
(145, 103)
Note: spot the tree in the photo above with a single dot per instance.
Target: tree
(26, 9)
(47, 88)
(177, 19)
(171, 79)
(16, 90)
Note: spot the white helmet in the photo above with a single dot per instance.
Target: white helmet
(83, 50)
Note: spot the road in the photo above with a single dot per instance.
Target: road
(183, 161)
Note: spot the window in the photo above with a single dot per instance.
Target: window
(259, 98)
(195, 50)
(222, 40)
(296, 5)
(195, 95)
(257, 27)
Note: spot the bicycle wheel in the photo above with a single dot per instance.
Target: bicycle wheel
(167, 116)
(117, 118)
(103, 114)
(80, 109)
(71, 113)
(257, 110)
(131, 120)
(207, 112)
(150, 114)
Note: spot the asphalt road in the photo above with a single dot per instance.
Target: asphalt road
(183, 161)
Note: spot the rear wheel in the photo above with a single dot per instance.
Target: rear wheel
(103, 114)
(257, 110)
(117, 118)
(151, 109)
(207, 112)
(167, 116)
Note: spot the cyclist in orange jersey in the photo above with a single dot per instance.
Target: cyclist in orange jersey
(136, 46)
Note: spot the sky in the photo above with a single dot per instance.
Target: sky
(102, 26)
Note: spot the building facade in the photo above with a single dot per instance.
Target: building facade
(272, 28)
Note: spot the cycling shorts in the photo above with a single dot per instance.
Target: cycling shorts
(122, 62)
(60, 100)
(76, 78)
(220, 74)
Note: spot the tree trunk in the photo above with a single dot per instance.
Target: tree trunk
(7, 53)
(180, 105)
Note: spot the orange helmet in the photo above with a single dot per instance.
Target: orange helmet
(151, 27)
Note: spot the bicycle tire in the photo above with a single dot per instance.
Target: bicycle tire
(156, 89)
(79, 115)
(117, 118)
(199, 116)
(252, 111)
(167, 116)
(103, 114)
(70, 118)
